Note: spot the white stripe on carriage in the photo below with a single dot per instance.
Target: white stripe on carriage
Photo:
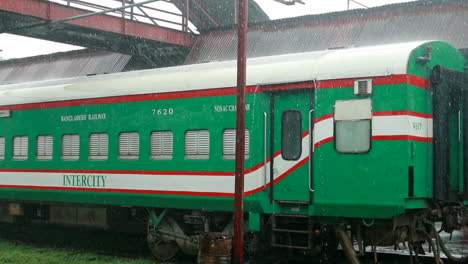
(391, 125)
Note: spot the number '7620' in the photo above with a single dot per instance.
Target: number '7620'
(163, 111)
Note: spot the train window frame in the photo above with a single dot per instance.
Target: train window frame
(73, 152)
(2, 148)
(129, 154)
(229, 144)
(24, 147)
(353, 111)
(102, 151)
(48, 150)
(197, 154)
(167, 145)
(285, 146)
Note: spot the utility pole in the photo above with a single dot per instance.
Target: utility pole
(238, 242)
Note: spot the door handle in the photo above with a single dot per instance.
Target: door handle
(265, 155)
(311, 149)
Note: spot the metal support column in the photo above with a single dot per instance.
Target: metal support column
(185, 16)
(238, 243)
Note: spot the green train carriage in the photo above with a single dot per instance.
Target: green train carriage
(368, 136)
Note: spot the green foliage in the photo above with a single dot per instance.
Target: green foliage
(12, 252)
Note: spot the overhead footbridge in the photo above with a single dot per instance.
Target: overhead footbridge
(159, 32)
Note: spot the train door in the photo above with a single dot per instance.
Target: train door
(290, 119)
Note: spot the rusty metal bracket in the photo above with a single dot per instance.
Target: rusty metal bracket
(155, 218)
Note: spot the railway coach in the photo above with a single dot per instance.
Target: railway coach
(368, 139)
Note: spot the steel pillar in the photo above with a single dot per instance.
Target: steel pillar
(238, 243)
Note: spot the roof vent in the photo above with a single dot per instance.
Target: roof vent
(363, 87)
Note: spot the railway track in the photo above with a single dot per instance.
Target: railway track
(133, 246)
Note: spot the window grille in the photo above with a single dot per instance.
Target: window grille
(162, 145)
(45, 147)
(129, 145)
(363, 87)
(2, 148)
(229, 144)
(20, 148)
(71, 147)
(197, 144)
(98, 146)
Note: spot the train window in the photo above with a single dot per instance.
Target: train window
(45, 146)
(353, 126)
(162, 145)
(71, 147)
(129, 145)
(2, 148)
(20, 148)
(197, 144)
(291, 139)
(98, 146)
(229, 144)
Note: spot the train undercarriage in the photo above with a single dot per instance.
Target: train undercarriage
(173, 232)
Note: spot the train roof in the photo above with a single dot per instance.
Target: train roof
(329, 64)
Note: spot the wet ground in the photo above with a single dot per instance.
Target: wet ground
(134, 246)
(457, 243)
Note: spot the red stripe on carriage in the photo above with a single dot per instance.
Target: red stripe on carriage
(383, 113)
(403, 137)
(389, 137)
(192, 173)
(318, 119)
(213, 194)
(49, 188)
(386, 80)
(403, 112)
(322, 142)
(275, 181)
(419, 81)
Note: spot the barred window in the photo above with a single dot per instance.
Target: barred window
(71, 147)
(162, 145)
(229, 144)
(45, 147)
(129, 145)
(98, 146)
(2, 148)
(197, 144)
(20, 148)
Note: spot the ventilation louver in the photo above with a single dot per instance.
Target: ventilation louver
(363, 87)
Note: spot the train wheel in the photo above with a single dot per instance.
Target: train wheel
(162, 246)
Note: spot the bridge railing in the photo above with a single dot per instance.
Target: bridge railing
(165, 15)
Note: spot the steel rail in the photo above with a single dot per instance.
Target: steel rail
(132, 15)
(117, 13)
(59, 21)
(101, 12)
